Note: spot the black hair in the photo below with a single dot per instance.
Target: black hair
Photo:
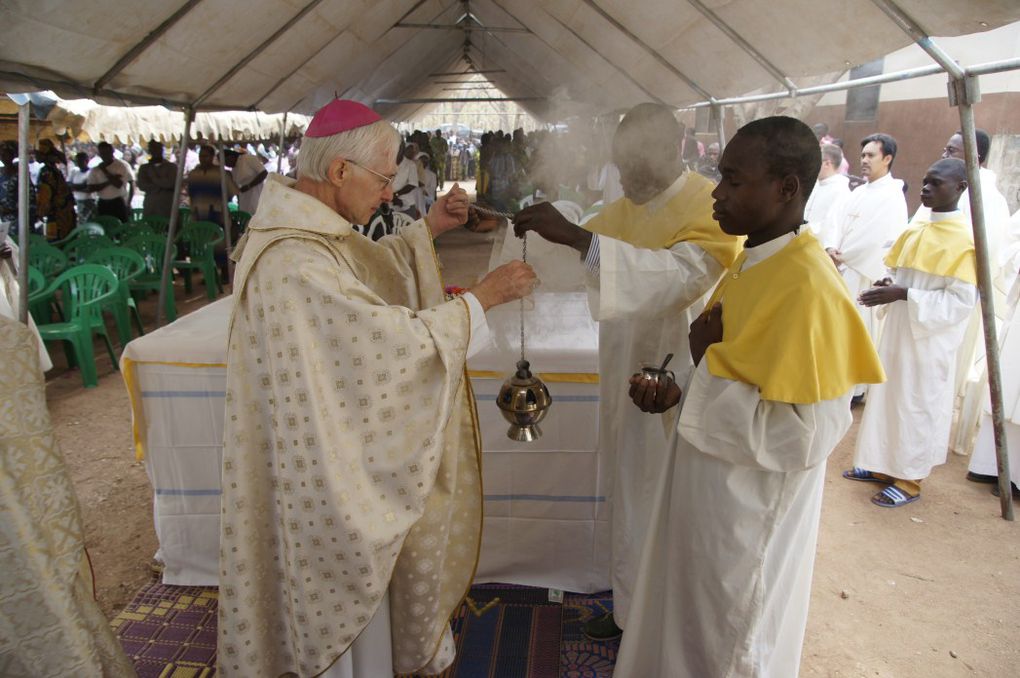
(887, 143)
(791, 148)
(984, 144)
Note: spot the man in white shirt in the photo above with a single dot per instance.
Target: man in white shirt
(113, 181)
(829, 189)
(861, 227)
(249, 173)
(77, 179)
(405, 193)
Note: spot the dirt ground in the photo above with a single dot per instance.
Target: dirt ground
(928, 590)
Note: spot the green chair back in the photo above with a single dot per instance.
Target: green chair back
(126, 264)
(156, 224)
(89, 228)
(152, 248)
(36, 280)
(201, 238)
(106, 220)
(78, 249)
(47, 259)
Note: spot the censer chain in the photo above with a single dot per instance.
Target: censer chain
(524, 258)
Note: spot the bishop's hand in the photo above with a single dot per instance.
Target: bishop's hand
(508, 282)
(654, 395)
(449, 211)
(706, 330)
(546, 221)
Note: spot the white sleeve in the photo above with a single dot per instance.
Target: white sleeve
(831, 229)
(635, 282)
(480, 336)
(933, 311)
(729, 420)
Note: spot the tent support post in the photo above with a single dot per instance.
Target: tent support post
(23, 210)
(719, 113)
(175, 215)
(228, 221)
(964, 93)
(283, 138)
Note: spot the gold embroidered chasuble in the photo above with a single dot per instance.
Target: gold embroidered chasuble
(351, 450)
(50, 623)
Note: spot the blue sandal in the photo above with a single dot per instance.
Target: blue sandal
(893, 497)
(864, 475)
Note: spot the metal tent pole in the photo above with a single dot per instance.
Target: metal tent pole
(283, 137)
(228, 222)
(24, 110)
(963, 93)
(175, 214)
(720, 116)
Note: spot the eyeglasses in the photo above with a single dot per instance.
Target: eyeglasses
(385, 179)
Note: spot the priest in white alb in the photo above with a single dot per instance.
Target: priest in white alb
(859, 229)
(351, 481)
(831, 188)
(651, 257)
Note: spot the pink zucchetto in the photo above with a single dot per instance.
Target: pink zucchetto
(340, 115)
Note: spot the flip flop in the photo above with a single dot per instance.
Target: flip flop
(864, 475)
(893, 497)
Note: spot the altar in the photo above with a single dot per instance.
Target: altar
(546, 515)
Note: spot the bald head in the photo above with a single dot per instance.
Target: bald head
(646, 149)
(950, 168)
(943, 184)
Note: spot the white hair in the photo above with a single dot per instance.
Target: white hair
(362, 145)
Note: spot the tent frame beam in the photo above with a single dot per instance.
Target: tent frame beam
(256, 52)
(744, 45)
(165, 284)
(466, 27)
(144, 44)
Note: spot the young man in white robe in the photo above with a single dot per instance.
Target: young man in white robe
(351, 462)
(927, 297)
(830, 188)
(725, 573)
(651, 257)
(859, 228)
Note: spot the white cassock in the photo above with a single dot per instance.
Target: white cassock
(983, 460)
(725, 574)
(862, 226)
(905, 429)
(644, 301)
(827, 192)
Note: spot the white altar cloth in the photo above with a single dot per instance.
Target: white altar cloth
(546, 518)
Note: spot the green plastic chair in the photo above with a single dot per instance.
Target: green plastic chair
(201, 238)
(151, 247)
(78, 250)
(185, 217)
(106, 220)
(88, 228)
(137, 213)
(126, 265)
(50, 261)
(83, 291)
(155, 224)
(36, 284)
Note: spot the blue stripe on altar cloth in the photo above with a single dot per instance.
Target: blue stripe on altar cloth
(557, 498)
(164, 492)
(556, 398)
(184, 394)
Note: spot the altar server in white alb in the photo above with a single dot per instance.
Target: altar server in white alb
(651, 258)
(859, 228)
(983, 467)
(725, 574)
(831, 187)
(351, 481)
(927, 298)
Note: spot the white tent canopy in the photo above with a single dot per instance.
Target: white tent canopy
(556, 57)
(117, 124)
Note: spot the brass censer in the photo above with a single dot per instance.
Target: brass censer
(524, 399)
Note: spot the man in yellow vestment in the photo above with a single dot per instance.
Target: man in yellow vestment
(351, 488)
(725, 573)
(651, 257)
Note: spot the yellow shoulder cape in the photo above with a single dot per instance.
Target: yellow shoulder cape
(943, 248)
(687, 217)
(791, 329)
